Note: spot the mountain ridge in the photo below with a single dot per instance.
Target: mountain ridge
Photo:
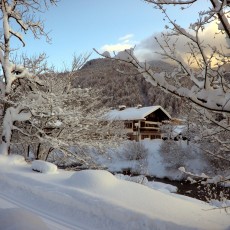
(122, 84)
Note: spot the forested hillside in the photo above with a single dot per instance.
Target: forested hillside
(122, 85)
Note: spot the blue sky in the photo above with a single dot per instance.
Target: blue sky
(77, 26)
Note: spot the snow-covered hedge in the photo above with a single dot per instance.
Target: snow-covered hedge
(43, 166)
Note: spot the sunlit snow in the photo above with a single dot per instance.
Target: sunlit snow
(95, 199)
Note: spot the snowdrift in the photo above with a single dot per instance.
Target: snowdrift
(98, 200)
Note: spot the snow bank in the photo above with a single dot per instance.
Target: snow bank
(12, 160)
(20, 219)
(95, 199)
(144, 208)
(162, 187)
(220, 204)
(92, 180)
(43, 166)
(151, 184)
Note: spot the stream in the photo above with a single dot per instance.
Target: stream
(198, 190)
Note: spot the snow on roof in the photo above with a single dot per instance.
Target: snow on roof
(134, 113)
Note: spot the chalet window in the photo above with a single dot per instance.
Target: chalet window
(129, 125)
(144, 136)
(132, 138)
(143, 124)
(155, 137)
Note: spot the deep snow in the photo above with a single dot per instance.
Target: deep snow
(98, 200)
(19, 218)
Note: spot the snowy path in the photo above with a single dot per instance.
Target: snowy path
(51, 222)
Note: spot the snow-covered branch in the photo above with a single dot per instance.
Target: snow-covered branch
(22, 13)
(17, 15)
(63, 116)
(200, 76)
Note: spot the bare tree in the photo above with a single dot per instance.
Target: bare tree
(208, 84)
(62, 117)
(16, 15)
(201, 74)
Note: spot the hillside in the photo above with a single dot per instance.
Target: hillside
(121, 84)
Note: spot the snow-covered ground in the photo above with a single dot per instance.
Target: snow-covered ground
(154, 164)
(94, 200)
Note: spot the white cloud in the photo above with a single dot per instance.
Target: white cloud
(116, 47)
(124, 42)
(127, 37)
(148, 48)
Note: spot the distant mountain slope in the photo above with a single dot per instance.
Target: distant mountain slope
(121, 84)
(159, 65)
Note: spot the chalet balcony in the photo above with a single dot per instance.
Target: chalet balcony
(147, 126)
(150, 131)
(150, 124)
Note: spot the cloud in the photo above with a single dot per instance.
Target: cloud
(116, 47)
(213, 36)
(126, 37)
(124, 42)
(148, 48)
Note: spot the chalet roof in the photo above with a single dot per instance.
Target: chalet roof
(134, 113)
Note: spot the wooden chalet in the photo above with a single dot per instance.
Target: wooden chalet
(141, 122)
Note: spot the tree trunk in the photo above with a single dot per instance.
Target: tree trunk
(48, 153)
(7, 132)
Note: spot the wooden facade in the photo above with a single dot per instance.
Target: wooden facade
(142, 122)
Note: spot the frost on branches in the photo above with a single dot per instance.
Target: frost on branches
(18, 14)
(61, 117)
(202, 68)
(14, 15)
(198, 138)
(41, 112)
(201, 74)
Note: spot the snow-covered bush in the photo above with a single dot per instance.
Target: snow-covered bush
(209, 134)
(215, 153)
(176, 154)
(207, 140)
(135, 154)
(58, 121)
(43, 166)
(133, 150)
(173, 153)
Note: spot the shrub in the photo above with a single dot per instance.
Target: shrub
(134, 151)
